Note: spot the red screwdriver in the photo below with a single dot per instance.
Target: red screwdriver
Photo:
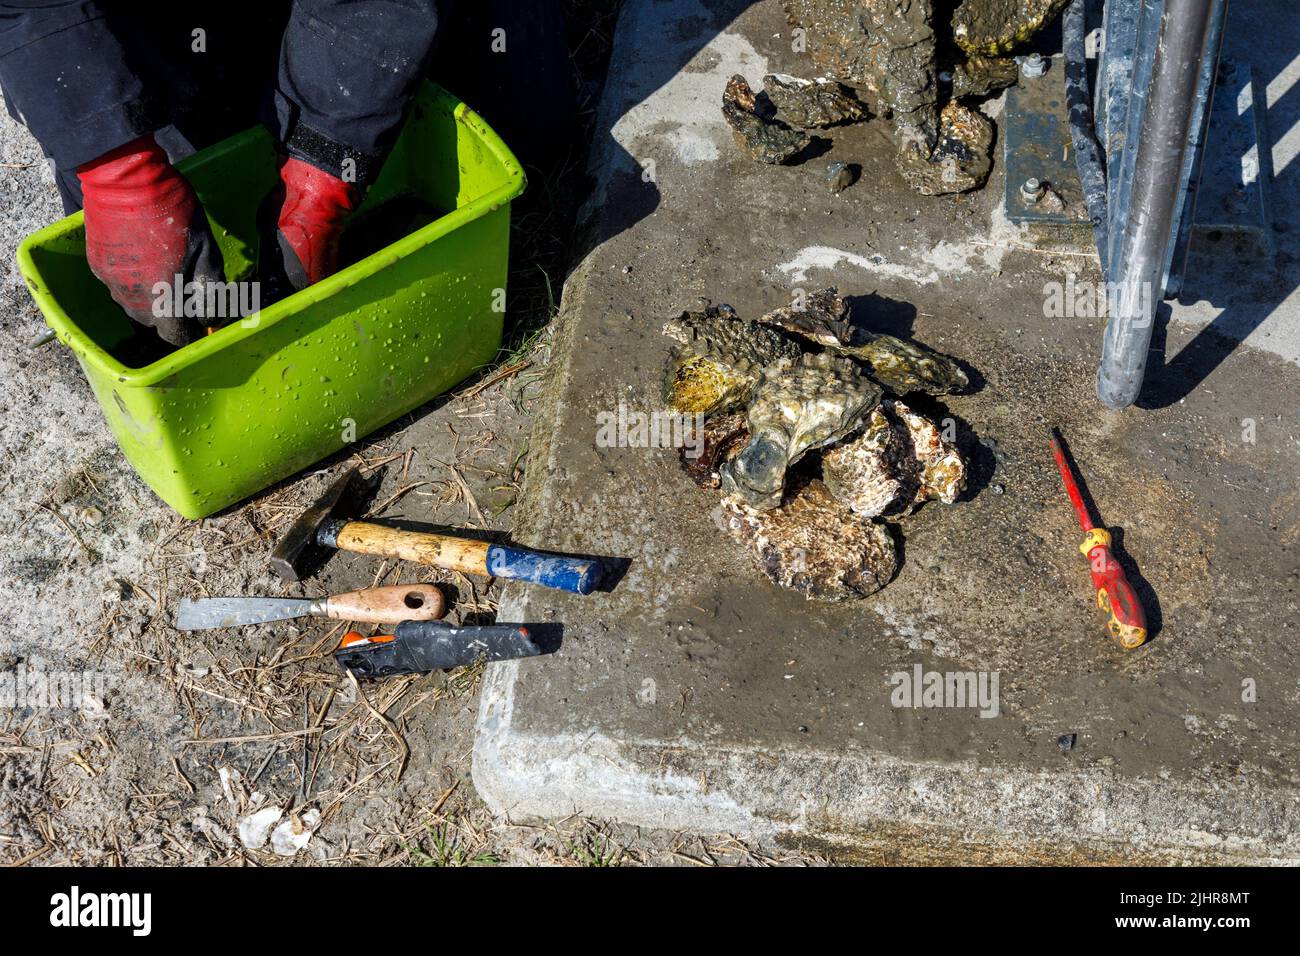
(1128, 623)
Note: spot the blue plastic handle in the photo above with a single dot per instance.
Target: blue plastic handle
(577, 575)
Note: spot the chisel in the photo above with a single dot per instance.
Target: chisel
(386, 605)
(416, 647)
(1128, 622)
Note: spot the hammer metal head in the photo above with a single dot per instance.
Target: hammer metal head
(302, 534)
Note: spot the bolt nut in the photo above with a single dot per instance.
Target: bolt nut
(1031, 190)
(1033, 65)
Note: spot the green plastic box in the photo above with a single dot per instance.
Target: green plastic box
(266, 396)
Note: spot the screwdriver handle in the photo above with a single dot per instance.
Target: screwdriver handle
(1128, 622)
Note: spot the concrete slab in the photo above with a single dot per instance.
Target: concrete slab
(696, 695)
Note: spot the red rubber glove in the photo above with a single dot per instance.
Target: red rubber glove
(302, 222)
(144, 225)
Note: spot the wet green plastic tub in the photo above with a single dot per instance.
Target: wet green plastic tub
(227, 416)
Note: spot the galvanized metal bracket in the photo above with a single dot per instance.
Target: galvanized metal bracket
(1036, 148)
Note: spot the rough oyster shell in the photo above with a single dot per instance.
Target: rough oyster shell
(797, 406)
(723, 437)
(903, 366)
(814, 545)
(764, 138)
(961, 158)
(718, 359)
(820, 317)
(981, 75)
(813, 104)
(898, 461)
(996, 26)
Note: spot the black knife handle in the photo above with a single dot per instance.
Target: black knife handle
(418, 647)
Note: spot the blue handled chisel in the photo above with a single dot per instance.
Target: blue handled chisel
(318, 525)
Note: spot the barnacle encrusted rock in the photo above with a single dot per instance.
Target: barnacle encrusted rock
(814, 545)
(718, 359)
(889, 48)
(764, 138)
(897, 462)
(723, 436)
(960, 159)
(797, 406)
(813, 104)
(821, 317)
(886, 47)
(996, 26)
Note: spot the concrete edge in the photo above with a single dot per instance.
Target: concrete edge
(855, 799)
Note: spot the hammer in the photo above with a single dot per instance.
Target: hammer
(319, 525)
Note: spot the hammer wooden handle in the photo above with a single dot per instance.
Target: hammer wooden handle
(578, 575)
(388, 605)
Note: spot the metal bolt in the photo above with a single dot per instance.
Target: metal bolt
(1033, 65)
(1032, 190)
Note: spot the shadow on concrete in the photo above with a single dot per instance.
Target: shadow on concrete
(697, 23)
(1249, 290)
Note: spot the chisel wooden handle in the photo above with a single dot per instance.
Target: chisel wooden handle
(578, 575)
(388, 605)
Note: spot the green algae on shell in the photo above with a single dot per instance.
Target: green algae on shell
(718, 359)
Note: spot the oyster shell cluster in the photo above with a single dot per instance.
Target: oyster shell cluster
(804, 440)
(889, 52)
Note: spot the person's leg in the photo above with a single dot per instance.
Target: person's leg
(348, 71)
(68, 76)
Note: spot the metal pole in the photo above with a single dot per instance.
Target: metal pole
(1155, 200)
(1078, 101)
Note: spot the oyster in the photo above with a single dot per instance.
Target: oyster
(903, 366)
(898, 461)
(960, 159)
(868, 473)
(981, 75)
(813, 103)
(821, 317)
(897, 364)
(995, 26)
(722, 438)
(886, 47)
(890, 48)
(718, 359)
(814, 545)
(797, 406)
(942, 469)
(763, 137)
